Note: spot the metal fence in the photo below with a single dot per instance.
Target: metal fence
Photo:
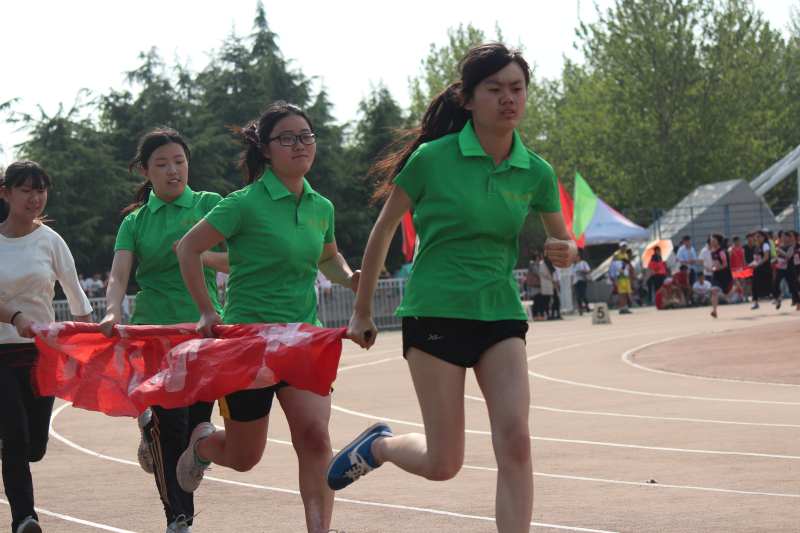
(729, 219)
(334, 308)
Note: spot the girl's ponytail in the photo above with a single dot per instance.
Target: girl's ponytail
(252, 162)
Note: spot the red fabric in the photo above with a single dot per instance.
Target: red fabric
(568, 208)
(658, 267)
(737, 259)
(409, 236)
(172, 366)
(681, 278)
(659, 299)
(742, 274)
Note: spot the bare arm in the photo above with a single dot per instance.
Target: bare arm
(117, 284)
(199, 239)
(374, 257)
(216, 260)
(559, 247)
(335, 268)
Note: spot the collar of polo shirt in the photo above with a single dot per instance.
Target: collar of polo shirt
(470, 146)
(277, 189)
(184, 200)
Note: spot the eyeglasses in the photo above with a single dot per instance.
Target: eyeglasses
(290, 140)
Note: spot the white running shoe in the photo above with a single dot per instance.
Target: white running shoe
(145, 457)
(179, 525)
(29, 525)
(190, 470)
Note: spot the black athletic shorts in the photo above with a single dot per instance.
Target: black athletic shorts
(249, 404)
(458, 341)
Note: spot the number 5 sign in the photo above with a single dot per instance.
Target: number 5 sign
(601, 315)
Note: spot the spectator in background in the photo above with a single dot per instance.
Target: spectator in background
(704, 260)
(94, 286)
(533, 282)
(785, 270)
(736, 254)
(796, 262)
(555, 308)
(622, 253)
(681, 282)
(222, 284)
(762, 270)
(688, 257)
(546, 274)
(659, 269)
(580, 279)
(624, 283)
(749, 249)
(668, 296)
(701, 290)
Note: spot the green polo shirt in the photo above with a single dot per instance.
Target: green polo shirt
(274, 243)
(149, 233)
(468, 217)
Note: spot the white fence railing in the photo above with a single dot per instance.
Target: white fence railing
(334, 308)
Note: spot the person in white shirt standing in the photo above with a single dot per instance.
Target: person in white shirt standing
(33, 257)
(580, 278)
(687, 256)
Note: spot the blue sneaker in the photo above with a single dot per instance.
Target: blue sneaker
(355, 459)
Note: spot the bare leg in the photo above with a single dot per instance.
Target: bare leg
(502, 374)
(439, 454)
(239, 447)
(308, 415)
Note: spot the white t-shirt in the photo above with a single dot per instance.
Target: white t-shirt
(30, 267)
(577, 275)
(702, 287)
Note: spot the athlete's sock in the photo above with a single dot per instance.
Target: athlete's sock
(197, 457)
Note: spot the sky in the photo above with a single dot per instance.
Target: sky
(52, 49)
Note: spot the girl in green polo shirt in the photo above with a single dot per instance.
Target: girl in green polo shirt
(163, 209)
(279, 232)
(472, 184)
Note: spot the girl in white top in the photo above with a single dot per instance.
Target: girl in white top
(33, 258)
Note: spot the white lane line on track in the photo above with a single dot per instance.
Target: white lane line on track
(656, 394)
(76, 520)
(366, 353)
(597, 413)
(617, 482)
(626, 359)
(276, 489)
(572, 441)
(595, 341)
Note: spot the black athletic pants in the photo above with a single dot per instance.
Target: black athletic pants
(169, 432)
(24, 425)
(791, 279)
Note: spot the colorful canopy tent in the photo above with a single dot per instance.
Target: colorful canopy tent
(592, 221)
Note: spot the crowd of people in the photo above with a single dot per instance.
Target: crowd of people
(279, 233)
(765, 267)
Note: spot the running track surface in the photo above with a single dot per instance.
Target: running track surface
(614, 407)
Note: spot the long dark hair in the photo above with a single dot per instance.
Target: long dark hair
(446, 113)
(152, 141)
(24, 174)
(252, 162)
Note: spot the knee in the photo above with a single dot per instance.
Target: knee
(37, 453)
(244, 462)
(313, 440)
(444, 468)
(513, 448)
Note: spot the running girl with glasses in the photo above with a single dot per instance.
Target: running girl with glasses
(473, 183)
(279, 232)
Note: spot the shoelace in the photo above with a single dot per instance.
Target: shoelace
(358, 468)
(181, 524)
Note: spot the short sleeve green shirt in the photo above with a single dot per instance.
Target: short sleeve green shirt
(149, 233)
(468, 217)
(274, 243)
